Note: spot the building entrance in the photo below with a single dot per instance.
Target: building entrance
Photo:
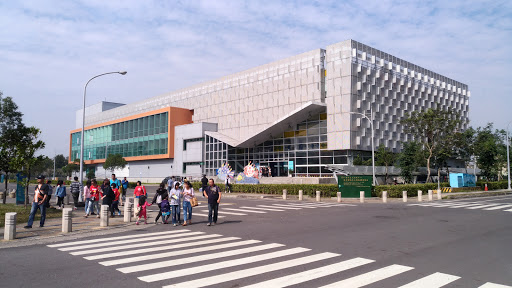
(279, 169)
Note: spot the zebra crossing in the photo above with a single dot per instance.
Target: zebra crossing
(485, 205)
(227, 210)
(183, 258)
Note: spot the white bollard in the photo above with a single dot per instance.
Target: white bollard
(318, 193)
(430, 196)
(300, 195)
(404, 196)
(10, 226)
(439, 195)
(339, 196)
(420, 196)
(361, 196)
(67, 220)
(135, 205)
(385, 196)
(104, 215)
(285, 193)
(128, 210)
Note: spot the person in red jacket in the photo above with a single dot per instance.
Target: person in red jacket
(139, 190)
(115, 203)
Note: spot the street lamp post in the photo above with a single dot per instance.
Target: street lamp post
(508, 158)
(83, 123)
(373, 145)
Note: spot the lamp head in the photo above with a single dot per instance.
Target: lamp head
(122, 72)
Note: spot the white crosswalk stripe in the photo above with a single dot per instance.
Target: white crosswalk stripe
(203, 282)
(244, 210)
(264, 209)
(227, 213)
(193, 259)
(370, 277)
(492, 285)
(308, 275)
(168, 240)
(432, 281)
(159, 248)
(179, 252)
(113, 238)
(280, 207)
(223, 264)
(205, 215)
(499, 207)
(480, 205)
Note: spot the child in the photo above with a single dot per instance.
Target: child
(165, 209)
(60, 193)
(142, 209)
(115, 203)
(160, 195)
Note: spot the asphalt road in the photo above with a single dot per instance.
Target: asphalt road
(384, 245)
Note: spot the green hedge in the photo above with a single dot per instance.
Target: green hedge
(327, 190)
(395, 191)
(493, 185)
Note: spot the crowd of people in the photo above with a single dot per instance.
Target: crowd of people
(170, 198)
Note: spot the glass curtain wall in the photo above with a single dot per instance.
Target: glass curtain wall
(300, 151)
(138, 137)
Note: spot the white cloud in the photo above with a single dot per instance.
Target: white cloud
(49, 49)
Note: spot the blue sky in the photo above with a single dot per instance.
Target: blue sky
(49, 49)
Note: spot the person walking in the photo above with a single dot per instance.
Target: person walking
(142, 210)
(160, 195)
(75, 189)
(228, 185)
(115, 203)
(204, 183)
(212, 193)
(87, 197)
(165, 209)
(60, 193)
(50, 192)
(40, 195)
(108, 195)
(124, 184)
(188, 194)
(175, 196)
(95, 198)
(140, 190)
(114, 180)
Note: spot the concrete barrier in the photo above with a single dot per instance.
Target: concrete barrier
(104, 215)
(385, 196)
(12, 194)
(420, 196)
(135, 205)
(285, 193)
(339, 196)
(361, 196)
(301, 195)
(128, 207)
(318, 194)
(430, 196)
(67, 220)
(404, 196)
(10, 226)
(439, 194)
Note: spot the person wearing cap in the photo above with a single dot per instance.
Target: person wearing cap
(40, 196)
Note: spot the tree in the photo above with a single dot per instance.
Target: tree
(10, 124)
(60, 161)
(433, 128)
(384, 157)
(24, 153)
(71, 167)
(409, 160)
(464, 145)
(113, 162)
(490, 151)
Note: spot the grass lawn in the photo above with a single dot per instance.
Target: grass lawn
(23, 213)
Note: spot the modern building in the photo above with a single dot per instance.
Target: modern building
(291, 116)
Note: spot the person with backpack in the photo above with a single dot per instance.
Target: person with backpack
(165, 209)
(60, 193)
(108, 196)
(204, 184)
(175, 197)
(140, 190)
(188, 194)
(75, 189)
(142, 210)
(115, 203)
(124, 184)
(160, 195)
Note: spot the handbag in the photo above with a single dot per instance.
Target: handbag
(193, 202)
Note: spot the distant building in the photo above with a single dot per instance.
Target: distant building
(286, 115)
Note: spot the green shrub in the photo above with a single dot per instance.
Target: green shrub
(395, 191)
(493, 185)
